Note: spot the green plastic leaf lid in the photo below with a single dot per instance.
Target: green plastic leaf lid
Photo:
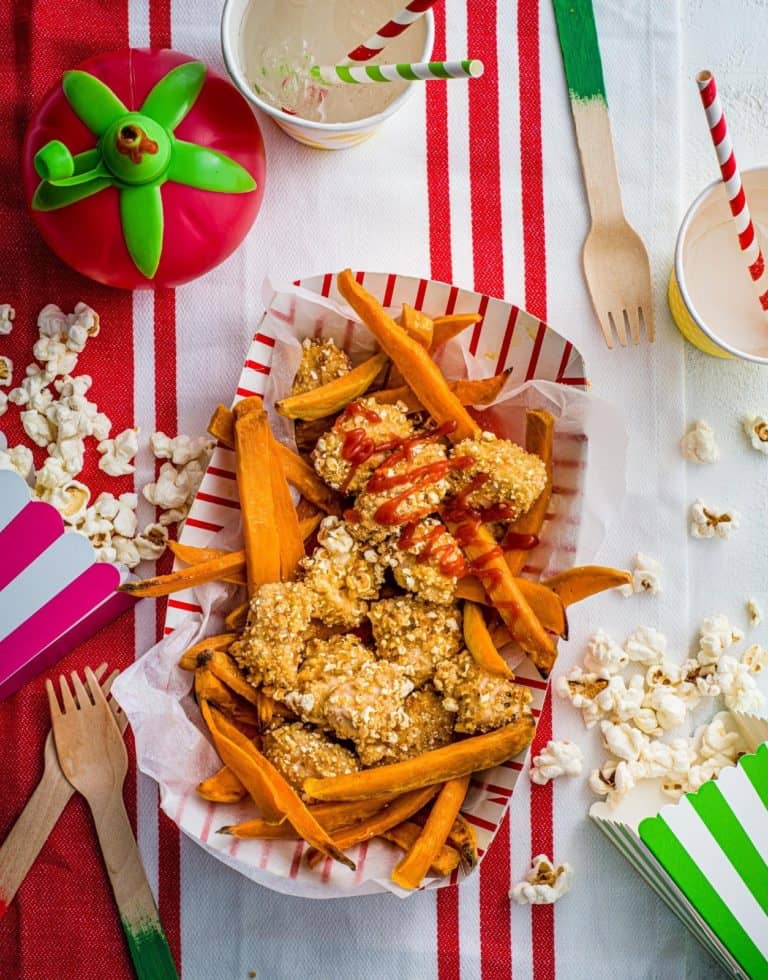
(136, 152)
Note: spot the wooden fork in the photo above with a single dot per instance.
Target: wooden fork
(33, 827)
(615, 259)
(93, 757)
(616, 264)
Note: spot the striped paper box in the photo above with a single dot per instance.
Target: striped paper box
(156, 694)
(706, 856)
(53, 593)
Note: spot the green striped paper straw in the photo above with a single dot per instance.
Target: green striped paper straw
(422, 71)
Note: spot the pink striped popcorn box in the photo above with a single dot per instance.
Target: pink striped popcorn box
(546, 372)
(53, 592)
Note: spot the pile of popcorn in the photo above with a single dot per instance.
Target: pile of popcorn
(637, 695)
(57, 415)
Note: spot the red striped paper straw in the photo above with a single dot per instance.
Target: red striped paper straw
(410, 13)
(718, 129)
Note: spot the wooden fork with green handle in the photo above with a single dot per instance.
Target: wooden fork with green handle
(93, 757)
(19, 850)
(616, 264)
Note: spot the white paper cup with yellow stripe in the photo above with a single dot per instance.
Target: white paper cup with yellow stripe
(320, 135)
(709, 210)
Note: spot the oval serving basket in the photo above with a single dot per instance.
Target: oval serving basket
(506, 338)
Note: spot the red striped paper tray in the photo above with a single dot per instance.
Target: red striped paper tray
(506, 338)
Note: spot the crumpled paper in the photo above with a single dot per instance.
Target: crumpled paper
(171, 743)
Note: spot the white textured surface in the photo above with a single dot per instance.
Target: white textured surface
(724, 573)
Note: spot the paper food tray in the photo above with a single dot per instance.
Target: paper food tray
(156, 695)
(706, 856)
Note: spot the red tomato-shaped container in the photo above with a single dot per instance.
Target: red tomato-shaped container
(143, 169)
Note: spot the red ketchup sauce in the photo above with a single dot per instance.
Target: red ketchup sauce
(358, 447)
(447, 557)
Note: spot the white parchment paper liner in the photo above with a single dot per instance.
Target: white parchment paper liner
(171, 744)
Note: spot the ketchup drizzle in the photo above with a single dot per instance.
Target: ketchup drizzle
(448, 557)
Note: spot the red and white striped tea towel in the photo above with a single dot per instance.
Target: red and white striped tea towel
(476, 184)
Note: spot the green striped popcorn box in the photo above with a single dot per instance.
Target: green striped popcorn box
(706, 856)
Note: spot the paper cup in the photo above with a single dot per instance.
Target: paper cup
(688, 320)
(319, 135)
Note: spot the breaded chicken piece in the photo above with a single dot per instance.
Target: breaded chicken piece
(342, 575)
(321, 361)
(416, 635)
(481, 701)
(430, 725)
(417, 560)
(274, 636)
(325, 665)
(377, 424)
(369, 710)
(420, 492)
(513, 477)
(299, 752)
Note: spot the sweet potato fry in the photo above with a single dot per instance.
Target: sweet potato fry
(478, 641)
(586, 580)
(195, 556)
(390, 816)
(236, 618)
(297, 471)
(307, 433)
(505, 594)
(416, 365)
(191, 555)
(270, 791)
(308, 525)
(462, 836)
(405, 835)
(546, 605)
(229, 743)
(330, 816)
(331, 398)
(190, 658)
(209, 687)
(286, 518)
(449, 762)
(417, 325)
(227, 671)
(481, 392)
(222, 787)
(450, 325)
(222, 426)
(539, 435)
(411, 870)
(185, 578)
(253, 458)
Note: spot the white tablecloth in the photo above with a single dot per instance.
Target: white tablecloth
(368, 208)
